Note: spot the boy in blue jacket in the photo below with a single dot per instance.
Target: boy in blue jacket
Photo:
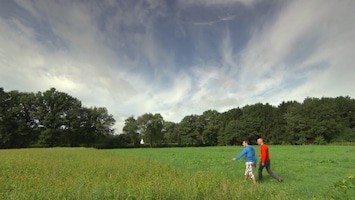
(250, 160)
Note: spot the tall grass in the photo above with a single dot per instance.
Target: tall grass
(64, 173)
(311, 172)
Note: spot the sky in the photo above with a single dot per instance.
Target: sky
(178, 58)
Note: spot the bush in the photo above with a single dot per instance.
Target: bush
(319, 140)
(347, 135)
(113, 141)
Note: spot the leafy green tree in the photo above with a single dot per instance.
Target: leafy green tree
(187, 130)
(92, 125)
(7, 119)
(313, 118)
(268, 118)
(99, 124)
(210, 127)
(200, 130)
(251, 121)
(151, 127)
(50, 118)
(170, 132)
(224, 136)
(296, 126)
(52, 110)
(321, 117)
(345, 107)
(280, 134)
(27, 126)
(131, 130)
(326, 119)
(17, 127)
(346, 135)
(74, 118)
(63, 122)
(232, 133)
(78, 129)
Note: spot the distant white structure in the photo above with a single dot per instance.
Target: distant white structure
(142, 142)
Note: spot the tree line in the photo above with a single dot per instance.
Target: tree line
(314, 121)
(54, 118)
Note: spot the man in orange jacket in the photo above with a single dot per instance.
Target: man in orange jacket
(265, 161)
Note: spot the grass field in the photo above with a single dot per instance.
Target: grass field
(310, 172)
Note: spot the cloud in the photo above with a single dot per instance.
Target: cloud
(148, 56)
(211, 22)
(265, 61)
(292, 54)
(217, 2)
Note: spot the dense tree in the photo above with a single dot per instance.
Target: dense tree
(50, 118)
(325, 119)
(100, 123)
(249, 124)
(131, 130)
(54, 109)
(17, 126)
(232, 133)
(268, 121)
(187, 130)
(151, 127)
(211, 127)
(345, 107)
(279, 134)
(170, 132)
(226, 133)
(296, 125)
(313, 118)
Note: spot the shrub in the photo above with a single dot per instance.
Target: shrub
(319, 140)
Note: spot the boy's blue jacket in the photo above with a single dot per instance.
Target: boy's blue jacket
(249, 153)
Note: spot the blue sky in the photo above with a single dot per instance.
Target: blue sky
(178, 58)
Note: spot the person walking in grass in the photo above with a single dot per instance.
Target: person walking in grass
(250, 160)
(265, 161)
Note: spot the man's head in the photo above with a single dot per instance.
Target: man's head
(260, 141)
(245, 142)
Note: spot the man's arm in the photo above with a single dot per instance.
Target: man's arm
(240, 155)
(254, 159)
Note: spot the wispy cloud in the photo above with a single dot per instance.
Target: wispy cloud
(211, 22)
(265, 62)
(216, 2)
(178, 59)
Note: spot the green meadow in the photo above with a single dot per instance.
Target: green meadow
(310, 172)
